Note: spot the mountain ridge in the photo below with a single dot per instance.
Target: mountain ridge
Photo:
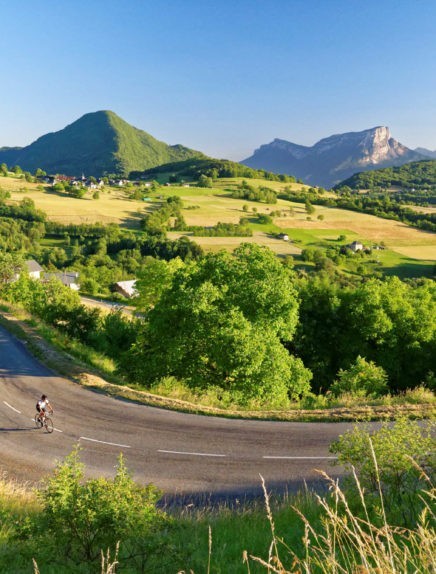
(96, 144)
(334, 158)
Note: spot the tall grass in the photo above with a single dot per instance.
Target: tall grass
(351, 543)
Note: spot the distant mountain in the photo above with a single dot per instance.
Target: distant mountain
(97, 143)
(417, 175)
(333, 159)
(426, 152)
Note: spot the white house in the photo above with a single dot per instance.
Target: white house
(355, 246)
(34, 269)
(67, 278)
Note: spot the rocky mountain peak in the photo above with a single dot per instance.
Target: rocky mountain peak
(334, 158)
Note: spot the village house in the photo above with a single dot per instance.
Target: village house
(67, 278)
(34, 269)
(356, 246)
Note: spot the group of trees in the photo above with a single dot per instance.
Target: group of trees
(195, 168)
(247, 325)
(262, 194)
(389, 322)
(250, 328)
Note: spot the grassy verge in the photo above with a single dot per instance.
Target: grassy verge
(300, 533)
(85, 366)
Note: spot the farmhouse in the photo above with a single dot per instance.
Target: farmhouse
(355, 246)
(67, 278)
(34, 269)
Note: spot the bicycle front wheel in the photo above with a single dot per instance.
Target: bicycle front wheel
(48, 423)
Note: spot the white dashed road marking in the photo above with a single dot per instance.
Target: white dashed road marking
(11, 407)
(303, 457)
(191, 453)
(104, 442)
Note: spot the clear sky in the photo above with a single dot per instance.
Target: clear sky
(221, 76)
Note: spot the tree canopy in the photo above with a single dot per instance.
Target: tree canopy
(222, 322)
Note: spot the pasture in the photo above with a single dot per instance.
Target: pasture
(410, 251)
(113, 205)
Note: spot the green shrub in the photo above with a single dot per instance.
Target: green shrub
(363, 378)
(403, 450)
(83, 517)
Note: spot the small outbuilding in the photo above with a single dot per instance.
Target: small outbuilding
(126, 288)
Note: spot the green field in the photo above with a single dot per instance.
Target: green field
(409, 252)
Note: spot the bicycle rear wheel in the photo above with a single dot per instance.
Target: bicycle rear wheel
(38, 421)
(48, 423)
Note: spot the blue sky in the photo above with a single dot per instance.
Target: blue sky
(221, 76)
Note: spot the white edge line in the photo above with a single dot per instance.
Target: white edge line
(191, 453)
(11, 407)
(304, 457)
(104, 442)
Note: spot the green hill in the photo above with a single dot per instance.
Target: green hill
(193, 168)
(418, 175)
(96, 144)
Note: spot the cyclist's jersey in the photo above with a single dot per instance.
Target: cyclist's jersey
(43, 404)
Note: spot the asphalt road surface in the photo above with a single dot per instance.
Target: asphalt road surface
(182, 454)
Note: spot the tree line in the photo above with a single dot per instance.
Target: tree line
(250, 330)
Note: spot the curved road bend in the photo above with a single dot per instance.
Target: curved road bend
(180, 453)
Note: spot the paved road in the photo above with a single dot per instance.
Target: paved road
(180, 453)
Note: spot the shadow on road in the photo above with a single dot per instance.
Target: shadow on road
(237, 498)
(28, 429)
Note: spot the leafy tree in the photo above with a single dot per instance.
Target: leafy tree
(11, 265)
(310, 210)
(221, 322)
(154, 278)
(263, 218)
(4, 170)
(393, 324)
(204, 181)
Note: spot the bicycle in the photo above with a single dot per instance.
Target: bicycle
(45, 421)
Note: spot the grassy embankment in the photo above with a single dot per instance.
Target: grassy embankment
(409, 252)
(334, 533)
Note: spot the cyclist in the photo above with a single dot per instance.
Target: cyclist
(42, 406)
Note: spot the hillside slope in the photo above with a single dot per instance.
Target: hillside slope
(415, 175)
(334, 158)
(95, 144)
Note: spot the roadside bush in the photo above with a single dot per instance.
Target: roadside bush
(83, 517)
(404, 452)
(362, 379)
